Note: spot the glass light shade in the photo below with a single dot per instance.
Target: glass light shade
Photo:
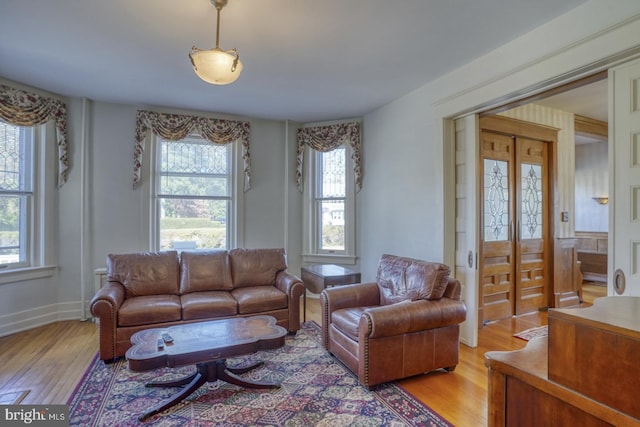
(215, 66)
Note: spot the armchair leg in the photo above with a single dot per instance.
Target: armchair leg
(450, 368)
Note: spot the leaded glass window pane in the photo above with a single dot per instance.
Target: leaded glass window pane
(331, 192)
(531, 208)
(16, 191)
(194, 194)
(496, 200)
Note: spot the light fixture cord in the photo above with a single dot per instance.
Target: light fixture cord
(218, 8)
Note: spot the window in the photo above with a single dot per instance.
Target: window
(194, 205)
(330, 198)
(25, 230)
(330, 211)
(16, 193)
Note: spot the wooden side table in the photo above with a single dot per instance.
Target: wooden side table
(317, 277)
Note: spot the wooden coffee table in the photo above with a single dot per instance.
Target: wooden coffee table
(206, 345)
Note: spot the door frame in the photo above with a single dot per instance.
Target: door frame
(549, 135)
(471, 102)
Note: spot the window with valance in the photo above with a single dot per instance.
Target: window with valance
(329, 191)
(22, 108)
(327, 138)
(175, 127)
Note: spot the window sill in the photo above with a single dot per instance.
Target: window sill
(329, 259)
(28, 273)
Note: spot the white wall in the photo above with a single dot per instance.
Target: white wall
(592, 180)
(401, 197)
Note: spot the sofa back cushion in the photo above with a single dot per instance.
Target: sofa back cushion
(406, 279)
(205, 271)
(145, 273)
(256, 267)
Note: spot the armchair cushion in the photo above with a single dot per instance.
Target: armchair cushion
(407, 279)
(346, 320)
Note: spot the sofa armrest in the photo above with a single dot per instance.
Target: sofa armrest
(339, 297)
(286, 282)
(292, 286)
(411, 316)
(105, 305)
(107, 300)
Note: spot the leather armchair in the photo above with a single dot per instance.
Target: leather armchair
(404, 324)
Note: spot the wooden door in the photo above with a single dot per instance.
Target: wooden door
(497, 263)
(624, 150)
(514, 221)
(531, 225)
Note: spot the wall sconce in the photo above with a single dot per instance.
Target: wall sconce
(601, 200)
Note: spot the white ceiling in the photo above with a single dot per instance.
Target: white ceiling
(304, 60)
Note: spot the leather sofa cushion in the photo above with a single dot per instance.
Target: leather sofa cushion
(148, 310)
(205, 271)
(406, 279)
(256, 267)
(346, 320)
(257, 299)
(145, 273)
(204, 305)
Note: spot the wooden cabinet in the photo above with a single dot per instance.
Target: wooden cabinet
(583, 374)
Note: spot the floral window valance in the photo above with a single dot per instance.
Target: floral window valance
(177, 126)
(327, 138)
(22, 108)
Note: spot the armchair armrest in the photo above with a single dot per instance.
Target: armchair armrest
(410, 316)
(356, 295)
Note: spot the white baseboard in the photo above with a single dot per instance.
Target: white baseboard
(40, 316)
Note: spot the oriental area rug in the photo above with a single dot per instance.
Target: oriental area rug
(316, 390)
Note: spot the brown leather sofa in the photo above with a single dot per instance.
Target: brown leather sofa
(406, 323)
(160, 289)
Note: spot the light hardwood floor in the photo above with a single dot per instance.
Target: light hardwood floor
(50, 360)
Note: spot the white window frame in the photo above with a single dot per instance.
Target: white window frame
(311, 221)
(41, 216)
(235, 229)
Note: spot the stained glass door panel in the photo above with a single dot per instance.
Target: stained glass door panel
(532, 226)
(497, 247)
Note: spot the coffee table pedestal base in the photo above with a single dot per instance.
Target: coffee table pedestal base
(206, 372)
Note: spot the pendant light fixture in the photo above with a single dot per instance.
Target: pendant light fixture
(216, 66)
